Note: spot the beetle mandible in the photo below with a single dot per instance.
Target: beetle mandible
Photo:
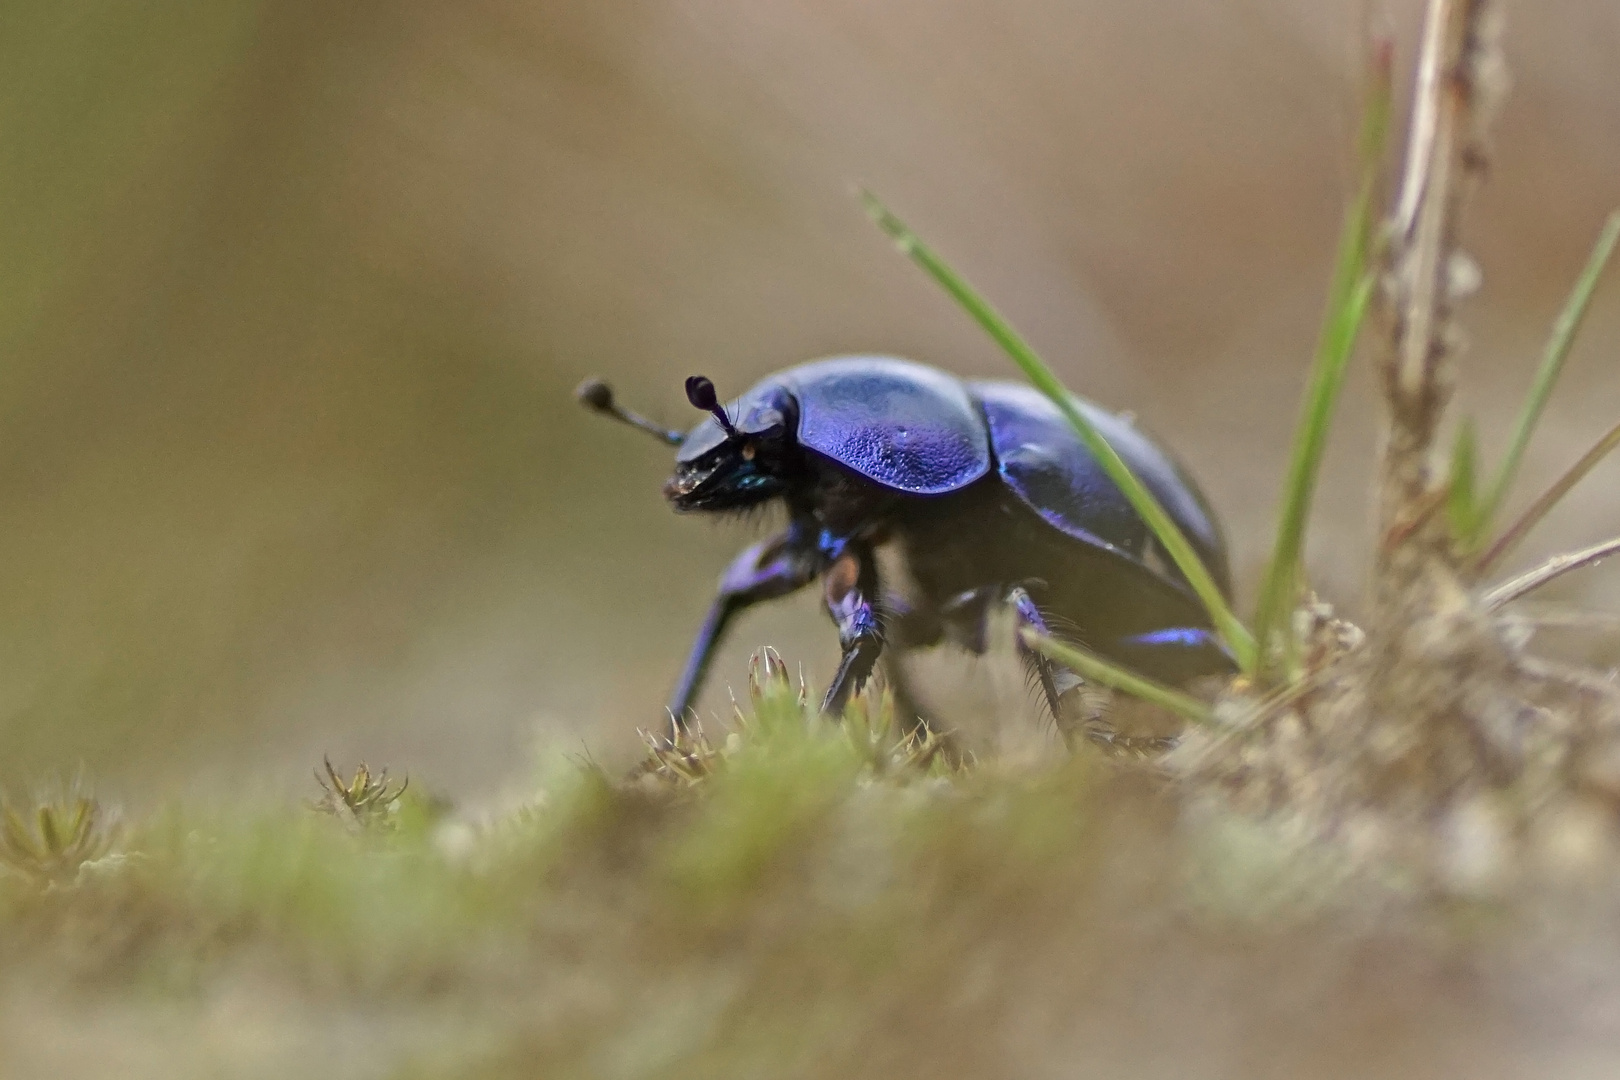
(985, 490)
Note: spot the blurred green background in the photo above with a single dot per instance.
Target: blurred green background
(293, 295)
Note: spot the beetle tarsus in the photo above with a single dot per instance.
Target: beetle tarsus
(1103, 734)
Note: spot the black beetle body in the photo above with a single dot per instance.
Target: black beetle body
(984, 489)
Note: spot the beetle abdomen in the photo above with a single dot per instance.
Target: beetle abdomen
(1046, 465)
(903, 425)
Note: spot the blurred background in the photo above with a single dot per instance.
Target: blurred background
(293, 295)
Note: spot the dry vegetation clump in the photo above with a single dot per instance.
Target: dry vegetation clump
(1433, 740)
(1511, 774)
(1437, 737)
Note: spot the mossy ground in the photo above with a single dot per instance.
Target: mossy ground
(805, 900)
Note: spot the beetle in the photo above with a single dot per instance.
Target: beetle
(983, 488)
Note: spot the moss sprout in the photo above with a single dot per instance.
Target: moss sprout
(47, 840)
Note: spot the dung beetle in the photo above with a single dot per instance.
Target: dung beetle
(985, 491)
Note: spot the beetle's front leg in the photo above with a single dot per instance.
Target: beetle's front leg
(851, 584)
(764, 571)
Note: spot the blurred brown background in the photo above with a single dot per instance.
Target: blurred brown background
(293, 294)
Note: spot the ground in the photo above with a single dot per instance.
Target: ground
(799, 899)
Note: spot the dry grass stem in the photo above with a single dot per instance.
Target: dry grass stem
(1460, 83)
(1548, 499)
(1554, 568)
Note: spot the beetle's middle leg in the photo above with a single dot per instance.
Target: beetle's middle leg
(1058, 682)
(852, 581)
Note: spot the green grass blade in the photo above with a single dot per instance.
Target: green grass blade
(1348, 299)
(1514, 533)
(1232, 632)
(1563, 334)
(1462, 502)
(1091, 666)
(1280, 588)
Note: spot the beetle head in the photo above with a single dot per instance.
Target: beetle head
(738, 458)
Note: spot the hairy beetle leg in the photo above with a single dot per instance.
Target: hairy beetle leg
(1056, 680)
(1059, 683)
(763, 571)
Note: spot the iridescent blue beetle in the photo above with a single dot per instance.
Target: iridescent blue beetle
(985, 491)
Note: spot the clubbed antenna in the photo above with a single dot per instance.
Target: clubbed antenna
(597, 396)
(700, 392)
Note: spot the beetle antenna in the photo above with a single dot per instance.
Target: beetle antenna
(597, 396)
(700, 392)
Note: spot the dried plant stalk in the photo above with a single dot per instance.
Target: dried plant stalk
(1461, 80)
(1551, 570)
(1436, 664)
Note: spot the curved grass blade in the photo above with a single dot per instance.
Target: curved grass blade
(1091, 666)
(1552, 365)
(1348, 299)
(1233, 633)
(1462, 502)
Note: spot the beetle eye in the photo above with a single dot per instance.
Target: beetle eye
(748, 451)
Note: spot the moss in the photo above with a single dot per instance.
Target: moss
(800, 899)
(745, 915)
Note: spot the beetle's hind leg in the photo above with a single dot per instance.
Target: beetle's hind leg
(1060, 687)
(1056, 681)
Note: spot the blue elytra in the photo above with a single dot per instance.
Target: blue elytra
(1044, 461)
